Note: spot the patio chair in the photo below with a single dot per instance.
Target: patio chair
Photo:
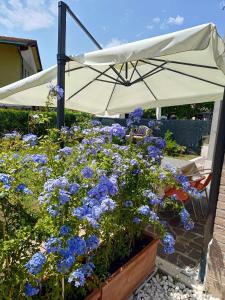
(142, 131)
(201, 183)
(139, 133)
(181, 196)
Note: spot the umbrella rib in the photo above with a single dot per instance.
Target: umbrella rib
(188, 75)
(152, 72)
(105, 74)
(78, 68)
(144, 82)
(74, 69)
(134, 68)
(87, 84)
(183, 63)
(118, 73)
(113, 82)
(113, 90)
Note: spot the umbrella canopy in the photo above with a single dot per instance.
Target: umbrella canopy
(178, 68)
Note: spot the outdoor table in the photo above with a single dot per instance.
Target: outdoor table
(186, 167)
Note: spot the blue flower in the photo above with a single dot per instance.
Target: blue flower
(136, 220)
(118, 131)
(64, 230)
(11, 135)
(170, 168)
(35, 264)
(66, 150)
(96, 123)
(133, 162)
(154, 152)
(53, 245)
(22, 188)
(137, 113)
(128, 203)
(64, 197)
(151, 124)
(52, 211)
(59, 91)
(108, 204)
(135, 172)
(87, 172)
(186, 219)
(135, 116)
(78, 277)
(64, 264)
(153, 216)
(104, 187)
(155, 201)
(6, 179)
(160, 143)
(30, 139)
(73, 188)
(92, 221)
(168, 243)
(77, 245)
(92, 242)
(30, 290)
(79, 212)
(162, 176)
(52, 184)
(144, 210)
(38, 158)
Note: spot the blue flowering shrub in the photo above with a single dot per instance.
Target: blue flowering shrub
(67, 214)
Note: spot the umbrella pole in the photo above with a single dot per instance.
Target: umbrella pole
(218, 159)
(61, 62)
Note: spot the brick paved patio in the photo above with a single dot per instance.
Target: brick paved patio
(189, 244)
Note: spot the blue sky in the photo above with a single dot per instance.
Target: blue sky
(111, 21)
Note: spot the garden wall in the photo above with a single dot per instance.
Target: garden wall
(215, 275)
(187, 133)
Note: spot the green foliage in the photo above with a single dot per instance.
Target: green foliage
(20, 120)
(133, 175)
(188, 111)
(172, 148)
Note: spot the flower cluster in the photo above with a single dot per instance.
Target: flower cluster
(35, 264)
(6, 180)
(168, 243)
(134, 117)
(186, 219)
(30, 139)
(100, 188)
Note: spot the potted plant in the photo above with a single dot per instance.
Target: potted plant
(95, 198)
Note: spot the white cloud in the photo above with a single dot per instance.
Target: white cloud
(28, 15)
(114, 42)
(150, 27)
(156, 20)
(178, 20)
(171, 21)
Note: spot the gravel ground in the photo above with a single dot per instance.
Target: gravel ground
(164, 287)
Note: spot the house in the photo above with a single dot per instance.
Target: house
(19, 58)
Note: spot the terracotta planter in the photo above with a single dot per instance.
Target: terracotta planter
(126, 279)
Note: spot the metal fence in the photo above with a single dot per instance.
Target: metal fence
(189, 133)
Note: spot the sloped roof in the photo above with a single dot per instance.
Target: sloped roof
(22, 43)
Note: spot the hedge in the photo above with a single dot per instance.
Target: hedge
(18, 119)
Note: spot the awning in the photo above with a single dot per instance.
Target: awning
(178, 68)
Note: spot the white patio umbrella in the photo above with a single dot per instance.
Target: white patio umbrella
(178, 68)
